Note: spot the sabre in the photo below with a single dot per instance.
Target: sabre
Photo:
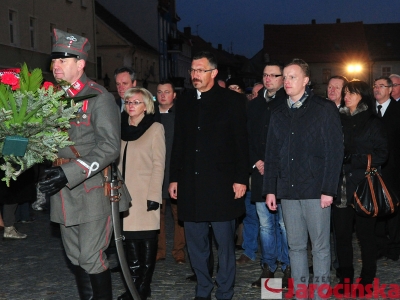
(114, 198)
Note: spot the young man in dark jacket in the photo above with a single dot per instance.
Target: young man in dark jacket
(304, 155)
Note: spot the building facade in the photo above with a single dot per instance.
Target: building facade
(28, 28)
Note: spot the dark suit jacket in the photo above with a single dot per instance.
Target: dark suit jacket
(119, 102)
(209, 154)
(258, 116)
(167, 120)
(391, 169)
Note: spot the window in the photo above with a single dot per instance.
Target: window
(12, 23)
(32, 32)
(52, 27)
(386, 70)
(326, 74)
(99, 67)
(141, 68)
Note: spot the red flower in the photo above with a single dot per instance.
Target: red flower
(10, 79)
(15, 87)
(47, 84)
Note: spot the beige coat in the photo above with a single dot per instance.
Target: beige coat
(144, 174)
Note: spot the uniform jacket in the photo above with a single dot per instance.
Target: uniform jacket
(209, 154)
(96, 135)
(144, 173)
(304, 151)
(363, 134)
(258, 116)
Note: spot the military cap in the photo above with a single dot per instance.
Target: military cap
(69, 45)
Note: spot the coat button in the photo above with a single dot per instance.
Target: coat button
(350, 174)
(84, 172)
(197, 173)
(198, 128)
(197, 150)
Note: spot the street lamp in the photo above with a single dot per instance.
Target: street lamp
(354, 69)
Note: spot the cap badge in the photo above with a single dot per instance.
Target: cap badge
(71, 40)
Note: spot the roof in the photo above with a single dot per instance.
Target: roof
(223, 57)
(316, 43)
(383, 41)
(121, 28)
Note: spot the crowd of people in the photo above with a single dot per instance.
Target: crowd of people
(277, 170)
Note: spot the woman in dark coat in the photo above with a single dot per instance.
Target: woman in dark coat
(363, 134)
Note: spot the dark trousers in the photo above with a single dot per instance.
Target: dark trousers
(343, 220)
(197, 242)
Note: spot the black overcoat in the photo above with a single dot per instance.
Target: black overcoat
(209, 154)
(363, 134)
(258, 116)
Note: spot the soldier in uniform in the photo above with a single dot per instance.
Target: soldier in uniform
(75, 181)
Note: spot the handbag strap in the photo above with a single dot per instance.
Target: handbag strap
(369, 156)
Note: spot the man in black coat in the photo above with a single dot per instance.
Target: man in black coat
(209, 172)
(165, 111)
(303, 159)
(273, 238)
(387, 229)
(125, 78)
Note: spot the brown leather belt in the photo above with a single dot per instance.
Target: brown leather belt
(61, 161)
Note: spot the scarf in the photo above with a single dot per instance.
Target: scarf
(132, 133)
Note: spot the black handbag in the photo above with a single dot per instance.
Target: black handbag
(372, 197)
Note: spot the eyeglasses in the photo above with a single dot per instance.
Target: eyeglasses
(396, 84)
(199, 71)
(271, 75)
(380, 86)
(234, 87)
(135, 103)
(163, 92)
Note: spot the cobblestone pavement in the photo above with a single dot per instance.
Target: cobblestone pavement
(36, 268)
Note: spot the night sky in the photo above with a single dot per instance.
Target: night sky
(239, 23)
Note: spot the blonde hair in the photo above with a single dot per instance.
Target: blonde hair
(146, 95)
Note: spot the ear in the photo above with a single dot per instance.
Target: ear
(81, 64)
(306, 80)
(134, 83)
(174, 95)
(214, 73)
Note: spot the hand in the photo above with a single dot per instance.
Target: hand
(239, 190)
(326, 201)
(260, 166)
(173, 190)
(271, 202)
(152, 205)
(52, 181)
